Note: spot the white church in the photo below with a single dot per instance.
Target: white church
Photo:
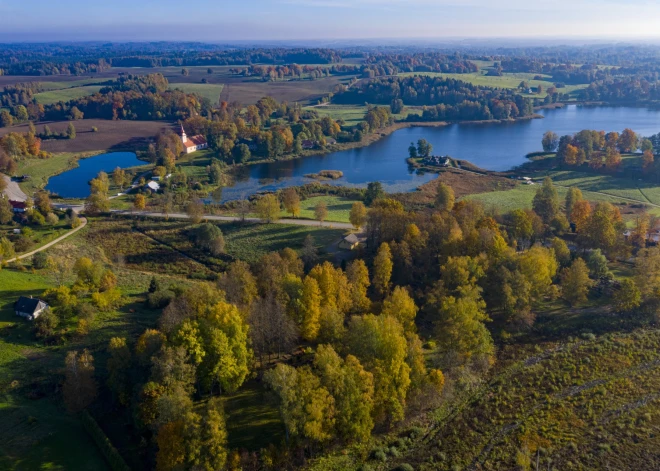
(192, 144)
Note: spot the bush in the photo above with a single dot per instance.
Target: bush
(404, 467)
(39, 260)
(160, 299)
(379, 455)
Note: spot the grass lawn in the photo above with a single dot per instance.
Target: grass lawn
(41, 235)
(351, 114)
(253, 419)
(250, 241)
(211, 91)
(40, 170)
(66, 94)
(338, 208)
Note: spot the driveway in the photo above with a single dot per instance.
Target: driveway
(13, 191)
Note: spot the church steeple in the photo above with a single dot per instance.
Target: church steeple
(184, 138)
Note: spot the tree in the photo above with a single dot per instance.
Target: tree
(291, 202)
(119, 177)
(352, 388)
(139, 202)
(309, 254)
(539, 266)
(195, 211)
(310, 308)
(573, 195)
(358, 278)
(206, 438)
(98, 201)
(358, 215)
(546, 201)
(6, 119)
(119, 365)
(268, 208)
(580, 214)
(380, 344)
(412, 150)
(424, 148)
(79, 388)
(628, 141)
(272, 329)
(42, 202)
(647, 271)
(550, 141)
(627, 297)
(374, 192)
(597, 263)
(382, 270)
(562, 252)
(647, 160)
(239, 284)
(321, 212)
(520, 225)
(575, 282)
(444, 198)
(71, 131)
(6, 212)
(402, 307)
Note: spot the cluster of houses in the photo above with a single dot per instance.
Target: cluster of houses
(308, 144)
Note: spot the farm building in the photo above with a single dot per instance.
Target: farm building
(350, 242)
(192, 144)
(152, 186)
(30, 308)
(18, 206)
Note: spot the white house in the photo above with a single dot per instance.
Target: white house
(153, 186)
(192, 144)
(30, 308)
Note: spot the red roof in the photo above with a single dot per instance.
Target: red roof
(196, 140)
(18, 204)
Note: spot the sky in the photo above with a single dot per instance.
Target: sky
(262, 20)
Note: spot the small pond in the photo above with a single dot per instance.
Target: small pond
(74, 183)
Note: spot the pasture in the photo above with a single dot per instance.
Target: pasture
(66, 94)
(211, 91)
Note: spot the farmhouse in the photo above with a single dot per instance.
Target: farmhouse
(30, 308)
(192, 144)
(350, 242)
(18, 206)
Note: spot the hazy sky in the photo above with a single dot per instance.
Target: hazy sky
(226, 20)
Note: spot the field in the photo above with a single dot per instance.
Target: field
(583, 404)
(111, 135)
(353, 114)
(207, 90)
(338, 208)
(66, 94)
(508, 80)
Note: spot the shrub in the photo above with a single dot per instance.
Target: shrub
(379, 455)
(160, 299)
(403, 467)
(39, 260)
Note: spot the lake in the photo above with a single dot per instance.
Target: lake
(74, 183)
(493, 146)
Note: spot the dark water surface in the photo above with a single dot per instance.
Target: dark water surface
(493, 146)
(74, 183)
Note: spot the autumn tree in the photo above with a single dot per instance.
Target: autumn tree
(79, 388)
(358, 215)
(546, 201)
(380, 344)
(627, 297)
(402, 307)
(306, 407)
(444, 199)
(647, 160)
(580, 214)
(647, 271)
(374, 192)
(321, 212)
(382, 273)
(139, 202)
(571, 154)
(239, 284)
(573, 195)
(628, 141)
(575, 282)
(352, 388)
(291, 202)
(98, 201)
(119, 177)
(268, 208)
(195, 211)
(358, 278)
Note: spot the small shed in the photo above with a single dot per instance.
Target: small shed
(30, 308)
(152, 186)
(349, 242)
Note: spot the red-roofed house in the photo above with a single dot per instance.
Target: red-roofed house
(18, 206)
(191, 144)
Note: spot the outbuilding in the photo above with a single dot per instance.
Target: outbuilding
(350, 242)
